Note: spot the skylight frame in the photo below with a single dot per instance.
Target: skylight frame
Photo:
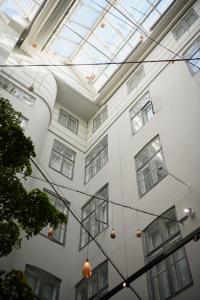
(141, 25)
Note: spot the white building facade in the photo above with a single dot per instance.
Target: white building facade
(137, 144)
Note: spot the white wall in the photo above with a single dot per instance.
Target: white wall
(175, 97)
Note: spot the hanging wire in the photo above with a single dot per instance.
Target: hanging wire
(107, 200)
(83, 226)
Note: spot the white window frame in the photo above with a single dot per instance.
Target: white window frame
(100, 118)
(96, 281)
(168, 233)
(154, 173)
(67, 117)
(96, 159)
(183, 23)
(42, 277)
(140, 110)
(94, 216)
(17, 92)
(62, 158)
(193, 49)
(23, 122)
(59, 235)
(135, 78)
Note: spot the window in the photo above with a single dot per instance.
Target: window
(135, 78)
(94, 216)
(16, 91)
(96, 159)
(150, 166)
(193, 52)
(44, 285)
(99, 119)
(60, 232)
(94, 287)
(141, 113)
(172, 274)
(23, 122)
(68, 121)
(186, 22)
(62, 159)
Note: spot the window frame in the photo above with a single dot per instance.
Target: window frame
(93, 198)
(191, 65)
(97, 269)
(148, 162)
(71, 161)
(90, 164)
(166, 240)
(11, 88)
(68, 117)
(135, 78)
(49, 192)
(43, 276)
(183, 23)
(141, 110)
(102, 117)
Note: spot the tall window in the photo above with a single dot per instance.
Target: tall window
(172, 274)
(141, 113)
(62, 159)
(94, 287)
(186, 22)
(150, 166)
(94, 216)
(100, 118)
(60, 232)
(68, 121)
(135, 78)
(96, 159)
(16, 91)
(44, 285)
(193, 52)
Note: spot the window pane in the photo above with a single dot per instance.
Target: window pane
(148, 113)
(32, 281)
(62, 119)
(67, 168)
(56, 161)
(145, 180)
(46, 291)
(137, 122)
(72, 124)
(157, 165)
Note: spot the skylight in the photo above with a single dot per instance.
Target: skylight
(104, 31)
(23, 8)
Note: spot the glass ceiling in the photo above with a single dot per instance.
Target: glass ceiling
(98, 31)
(23, 8)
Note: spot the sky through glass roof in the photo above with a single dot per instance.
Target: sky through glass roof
(23, 8)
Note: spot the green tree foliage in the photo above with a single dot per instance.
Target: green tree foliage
(13, 285)
(19, 209)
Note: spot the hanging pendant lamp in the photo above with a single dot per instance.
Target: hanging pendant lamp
(50, 232)
(87, 269)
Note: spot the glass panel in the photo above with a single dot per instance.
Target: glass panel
(46, 291)
(184, 272)
(158, 168)
(32, 281)
(93, 285)
(137, 122)
(148, 113)
(56, 161)
(67, 168)
(62, 119)
(72, 124)
(145, 180)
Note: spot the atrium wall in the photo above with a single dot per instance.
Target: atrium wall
(174, 93)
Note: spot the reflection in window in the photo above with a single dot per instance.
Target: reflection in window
(150, 166)
(94, 216)
(135, 79)
(172, 274)
(60, 232)
(141, 113)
